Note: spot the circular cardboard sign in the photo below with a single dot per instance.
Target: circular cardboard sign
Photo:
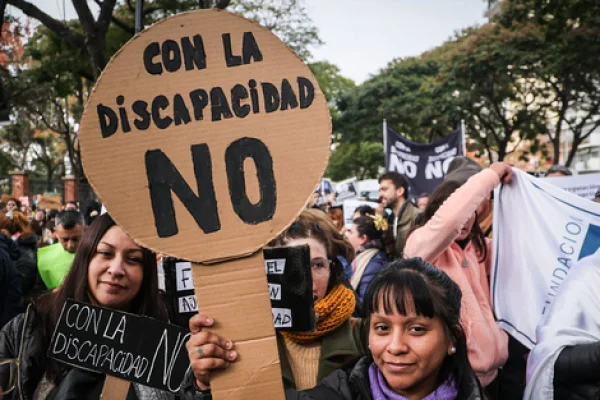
(205, 136)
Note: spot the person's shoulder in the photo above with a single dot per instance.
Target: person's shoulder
(474, 391)
(348, 383)
(412, 210)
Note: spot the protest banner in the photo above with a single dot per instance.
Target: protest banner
(290, 288)
(540, 231)
(206, 114)
(349, 206)
(49, 202)
(179, 290)
(423, 165)
(581, 185)
(347, 189)
(135, 348)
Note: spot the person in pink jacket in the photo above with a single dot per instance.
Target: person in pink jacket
(450, 239)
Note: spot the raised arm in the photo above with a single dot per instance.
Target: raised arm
(429, 241)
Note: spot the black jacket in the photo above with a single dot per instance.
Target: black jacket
(11, 295)
(576, 373)
(353, 384)
(27, 264)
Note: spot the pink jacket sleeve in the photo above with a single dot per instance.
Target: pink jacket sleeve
(429, 241)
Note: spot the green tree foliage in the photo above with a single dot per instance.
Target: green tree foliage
(557, 45)
(287, 19)
(68, 56)
(482, 83)
(355, 159)
(332, 83)
(19, 137)
(534, 71)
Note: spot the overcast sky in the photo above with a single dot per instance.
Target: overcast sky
(363, 36)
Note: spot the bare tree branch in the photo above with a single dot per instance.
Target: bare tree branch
(106, 12)
(222, 4)
(127, 28)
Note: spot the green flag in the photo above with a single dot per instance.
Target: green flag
(53, 263)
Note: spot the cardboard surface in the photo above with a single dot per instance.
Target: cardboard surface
(132, 165)
(52, 202)
(204, 137)
(114, 388)
(235, 294)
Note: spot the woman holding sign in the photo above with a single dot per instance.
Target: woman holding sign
(450, 239)
(109, 270)
(306, 357)
(418, 349)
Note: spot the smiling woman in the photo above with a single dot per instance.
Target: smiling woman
(418, 347)
(108, 270)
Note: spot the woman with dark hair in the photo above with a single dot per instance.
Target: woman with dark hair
(366, 235)
(305, 357)
(417, 347)
(108, 270)
(450, 239)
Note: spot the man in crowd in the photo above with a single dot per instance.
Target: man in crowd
(69, 229)
(54, 261)
(393, 193)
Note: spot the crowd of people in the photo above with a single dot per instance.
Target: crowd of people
(401, 296)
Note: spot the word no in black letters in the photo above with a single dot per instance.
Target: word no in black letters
(163, 178)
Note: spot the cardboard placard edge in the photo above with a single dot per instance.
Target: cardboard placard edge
(248, 252)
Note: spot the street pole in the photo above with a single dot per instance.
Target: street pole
(139, 15)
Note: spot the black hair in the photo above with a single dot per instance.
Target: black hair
(91, 211)
(366, 226)
(50, 215)
(561, 169)
(413, 285)
(398, 180)
(423, 195)
(364, 210)
(69, 219)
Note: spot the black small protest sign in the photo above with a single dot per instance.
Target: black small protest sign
(132, 347)
(290, 288)
(179, 287)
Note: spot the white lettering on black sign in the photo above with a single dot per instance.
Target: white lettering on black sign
(275, 267)
(274, 291)
(188, 304)
(131, 347)
(290, 288)
(184, 276)
(282, 317)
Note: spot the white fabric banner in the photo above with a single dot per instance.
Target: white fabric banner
(540, 231)
(581, 185)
